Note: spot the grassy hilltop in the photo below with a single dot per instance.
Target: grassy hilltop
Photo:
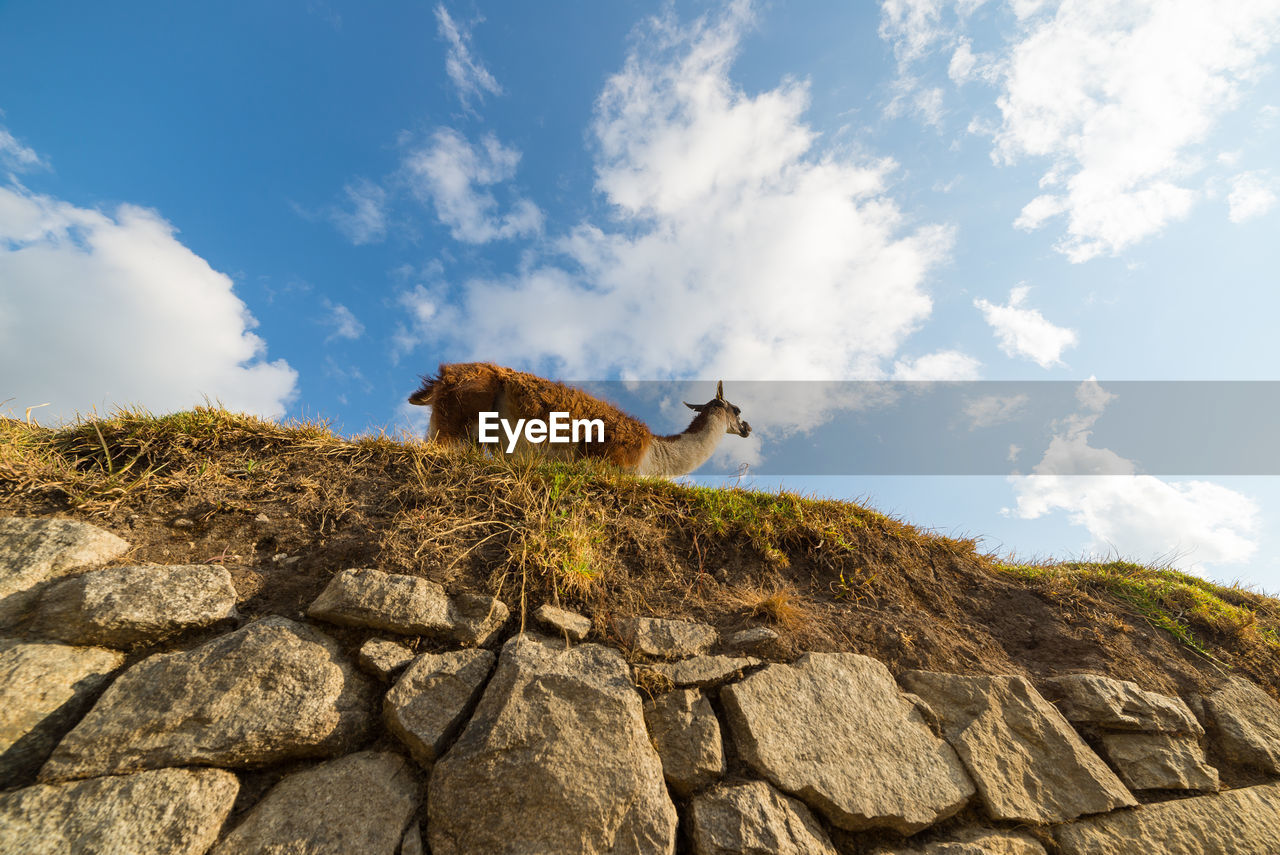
(284, 507)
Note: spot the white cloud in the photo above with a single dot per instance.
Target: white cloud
(344, 323)
(915, 27)
(735, 249)
(17, 157)
(1022, 331)
(942, 365)
(991, 410)
(1252, 195)
(1119, 98)
(468, 74)
(366, 220)
(1137, 516)
(451, 173)
(102, 310)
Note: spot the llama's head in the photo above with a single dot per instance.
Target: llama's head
(733, 416)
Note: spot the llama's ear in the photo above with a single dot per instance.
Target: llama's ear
(720, 391)
(695, 407)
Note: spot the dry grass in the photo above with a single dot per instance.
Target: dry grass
(828, 574)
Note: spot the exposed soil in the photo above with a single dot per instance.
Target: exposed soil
(284, 512)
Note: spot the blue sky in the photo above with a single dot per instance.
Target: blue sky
(296, 208)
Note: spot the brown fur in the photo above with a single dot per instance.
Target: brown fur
(460, 391)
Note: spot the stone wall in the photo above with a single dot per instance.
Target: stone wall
(273, 736)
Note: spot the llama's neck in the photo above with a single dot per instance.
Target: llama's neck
(669, 456)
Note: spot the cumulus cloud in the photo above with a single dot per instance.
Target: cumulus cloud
(1252, 195)
(99, 310)
(452, 174)
(364, 220)
(1118, 98)
(735, 248)
(1023, 331)
(468, 74)
(1136, 516)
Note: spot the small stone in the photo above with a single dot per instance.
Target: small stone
(262, 519)
(33, 551)
(666, 639)
(44, 689)
(476, 620)
(429, 704)
(700, 671)
(753, 640)
(1159, 761)
(164, 812)
(182, 522)
(1093, 699)
(408, 605)
(411, 843)
(685, 731)
(124, 606)
(754, 818)
(572, 624)
(355, 804)
(1246, 723)
(383, 659)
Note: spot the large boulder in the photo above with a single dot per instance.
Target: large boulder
(555, 759)
(1159, 761)
(430, 702)
(666, 639)
(1235, 822)
(360, 803)
(1246, 723)
(834, 730)
(33, 551)
(408, 605)
(124, 606)
(44, 689)
(754, 819)
(1092, 699)
(274, 690)
(163, 812)
(687, 735)
(1028, 762)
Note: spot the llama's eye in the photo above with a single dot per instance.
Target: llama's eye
(737, 412)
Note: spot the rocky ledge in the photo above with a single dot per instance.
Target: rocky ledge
(141, 713)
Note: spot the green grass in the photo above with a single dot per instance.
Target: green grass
(1185, 606)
